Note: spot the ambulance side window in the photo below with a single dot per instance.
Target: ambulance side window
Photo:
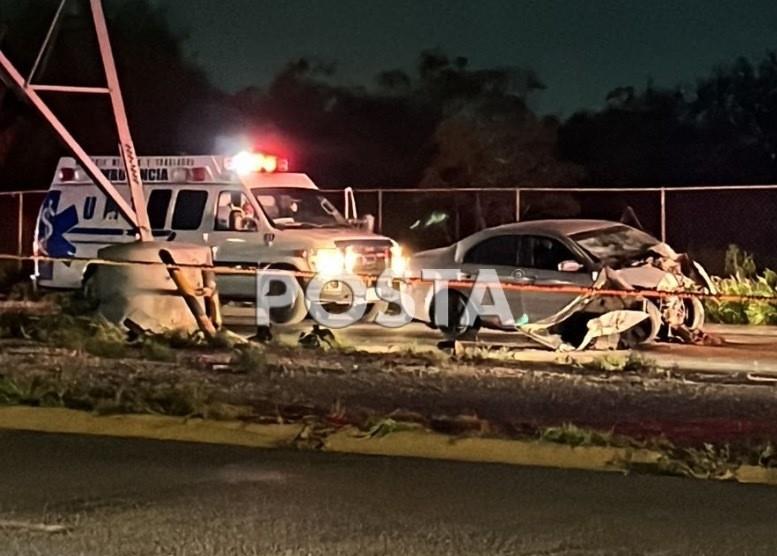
(234, 213)
(189, 206)
(111, 211)
(89, 205)
(158, 203)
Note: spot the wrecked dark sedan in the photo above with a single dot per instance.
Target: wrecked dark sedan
(569, 284)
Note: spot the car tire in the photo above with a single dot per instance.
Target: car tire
(467, 327)
(372, 311)
(694, 314)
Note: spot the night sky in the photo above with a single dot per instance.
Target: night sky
(581, 49)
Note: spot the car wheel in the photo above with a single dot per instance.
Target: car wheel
(694, 313)
(460, 324)
(373, 310)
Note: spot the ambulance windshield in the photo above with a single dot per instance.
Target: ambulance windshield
(294, 207)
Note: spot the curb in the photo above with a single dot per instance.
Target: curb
(415, 443)
(152, 427)
(421, 443)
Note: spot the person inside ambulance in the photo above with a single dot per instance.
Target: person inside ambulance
(235, 213)
(289, 207)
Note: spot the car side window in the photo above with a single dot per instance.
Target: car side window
(499, 250)
(543, 253)
(234, 212)
(158, 203)
(189, 206)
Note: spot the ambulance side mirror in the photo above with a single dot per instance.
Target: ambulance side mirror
(367, 223)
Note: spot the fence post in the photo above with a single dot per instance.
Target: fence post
(663, 214)
(380, 210)
(20, 231)
(517, 204)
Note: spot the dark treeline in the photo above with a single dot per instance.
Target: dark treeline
(442, 124)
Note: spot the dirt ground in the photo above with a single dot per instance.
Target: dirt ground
(447, 394)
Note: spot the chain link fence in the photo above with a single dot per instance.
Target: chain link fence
(703, 221)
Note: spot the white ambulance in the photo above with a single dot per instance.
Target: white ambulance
(247, 208)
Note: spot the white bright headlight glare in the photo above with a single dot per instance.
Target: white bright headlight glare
(398, 260)
(350, 260)
(328, 262)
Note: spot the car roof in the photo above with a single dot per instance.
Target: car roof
(563, 227)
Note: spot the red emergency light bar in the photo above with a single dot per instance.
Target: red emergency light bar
(67, 174)
(246, 162)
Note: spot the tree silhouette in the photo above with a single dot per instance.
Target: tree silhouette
(171, 105)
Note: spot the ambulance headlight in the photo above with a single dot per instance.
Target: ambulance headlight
(398, 260)
(328, 262)
(351, 260)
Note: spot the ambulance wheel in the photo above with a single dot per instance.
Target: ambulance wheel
(290, 314)
(89, 287)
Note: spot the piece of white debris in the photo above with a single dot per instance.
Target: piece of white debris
(41, 527)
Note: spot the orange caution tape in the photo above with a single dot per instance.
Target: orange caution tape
(371, 278)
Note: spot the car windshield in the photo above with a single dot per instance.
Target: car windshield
(617, 244)
(294, 207)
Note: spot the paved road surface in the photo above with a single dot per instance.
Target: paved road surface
(750, 349)
(144, 497)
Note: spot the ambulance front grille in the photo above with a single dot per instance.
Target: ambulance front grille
(373, 255)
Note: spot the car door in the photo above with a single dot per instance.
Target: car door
(540, 261)
(500, 254)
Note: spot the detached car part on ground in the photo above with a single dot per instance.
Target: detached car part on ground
(590, 254)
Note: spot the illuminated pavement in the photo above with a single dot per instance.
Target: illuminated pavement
(144, 497)
(746, 349)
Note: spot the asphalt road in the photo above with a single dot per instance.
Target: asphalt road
(144, 497)
(748, 349)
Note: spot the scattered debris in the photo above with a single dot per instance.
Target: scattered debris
(29, 526)
(318, 337)
(575, 436)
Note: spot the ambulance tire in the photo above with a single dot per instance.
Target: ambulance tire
(292, 314)
(89, 287)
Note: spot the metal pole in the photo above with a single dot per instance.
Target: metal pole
(15, 79)
(380, 210)
(126, 146)
(70, 89)
(517, 204)
(663, 214)
(20, 231)
(46, 41)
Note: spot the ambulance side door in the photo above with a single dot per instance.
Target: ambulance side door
(187, 217)
(236, 240)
